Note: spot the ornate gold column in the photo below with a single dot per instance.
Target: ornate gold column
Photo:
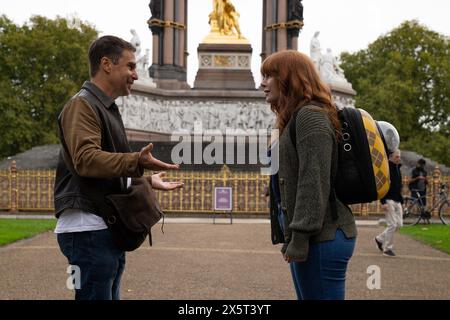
(282, 22)
(169, 26)
(168, 33)
(282, 32)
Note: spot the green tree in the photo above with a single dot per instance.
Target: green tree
(403, 78)
(42, 64)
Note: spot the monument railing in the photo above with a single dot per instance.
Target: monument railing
(32, 191)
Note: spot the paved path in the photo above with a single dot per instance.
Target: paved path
(221, 261)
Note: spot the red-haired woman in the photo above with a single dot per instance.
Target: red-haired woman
(319, 230)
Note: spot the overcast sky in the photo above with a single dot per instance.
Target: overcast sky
(344, 25)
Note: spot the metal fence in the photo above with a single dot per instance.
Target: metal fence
(32, 190)
(26, 190)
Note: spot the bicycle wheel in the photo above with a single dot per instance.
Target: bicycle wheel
(411, 212)
(444, 212)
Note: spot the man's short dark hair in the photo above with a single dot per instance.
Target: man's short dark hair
(421, 162)
(107, 46)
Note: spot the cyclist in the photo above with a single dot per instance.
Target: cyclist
(418, 182)
(392, 204)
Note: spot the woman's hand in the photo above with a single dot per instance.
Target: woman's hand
(289, 259)
(289, 252)
(158, 183)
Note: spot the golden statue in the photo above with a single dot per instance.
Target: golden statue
(224, 22)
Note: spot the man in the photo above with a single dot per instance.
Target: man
(96, 160)
(392, 203)
(418, 182)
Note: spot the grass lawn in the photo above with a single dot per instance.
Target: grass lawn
(435, 235)
(15, 229)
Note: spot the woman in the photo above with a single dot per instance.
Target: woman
(317, 245)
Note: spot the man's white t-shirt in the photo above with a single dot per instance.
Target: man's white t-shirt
(75, 220)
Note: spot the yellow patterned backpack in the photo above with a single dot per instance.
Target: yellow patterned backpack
(363, 166)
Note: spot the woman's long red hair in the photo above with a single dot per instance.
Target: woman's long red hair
(299, 83)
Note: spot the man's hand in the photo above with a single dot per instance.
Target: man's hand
(147, 161)
(384, 206)
(157, 183)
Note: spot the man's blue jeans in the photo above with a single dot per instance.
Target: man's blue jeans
(101, 263)
(322, 275)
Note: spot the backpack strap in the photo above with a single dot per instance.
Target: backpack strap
(293, 136)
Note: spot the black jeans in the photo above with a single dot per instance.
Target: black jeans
(100, 262)
(422, 195)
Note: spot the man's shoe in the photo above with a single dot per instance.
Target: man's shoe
(379, 244)
(389, 253)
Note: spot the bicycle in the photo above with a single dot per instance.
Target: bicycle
(414, 211)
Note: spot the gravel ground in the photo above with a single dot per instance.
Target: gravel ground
(220, 261)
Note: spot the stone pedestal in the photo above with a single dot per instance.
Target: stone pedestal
(144, 78)
(343, 94)
(169, 77)
(224, 66)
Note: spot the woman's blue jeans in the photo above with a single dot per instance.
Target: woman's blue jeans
(322, 275)
(101, 263)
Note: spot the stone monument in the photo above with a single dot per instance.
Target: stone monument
(225, 54)
(224, 97)
(330, 71)
(142, 62)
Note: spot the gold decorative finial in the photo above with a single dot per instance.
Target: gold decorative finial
(224, 22)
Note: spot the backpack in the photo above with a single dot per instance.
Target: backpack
(363, 168)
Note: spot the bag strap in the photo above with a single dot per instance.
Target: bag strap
(293, 135)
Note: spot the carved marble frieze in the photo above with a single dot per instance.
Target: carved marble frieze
(168, 115)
